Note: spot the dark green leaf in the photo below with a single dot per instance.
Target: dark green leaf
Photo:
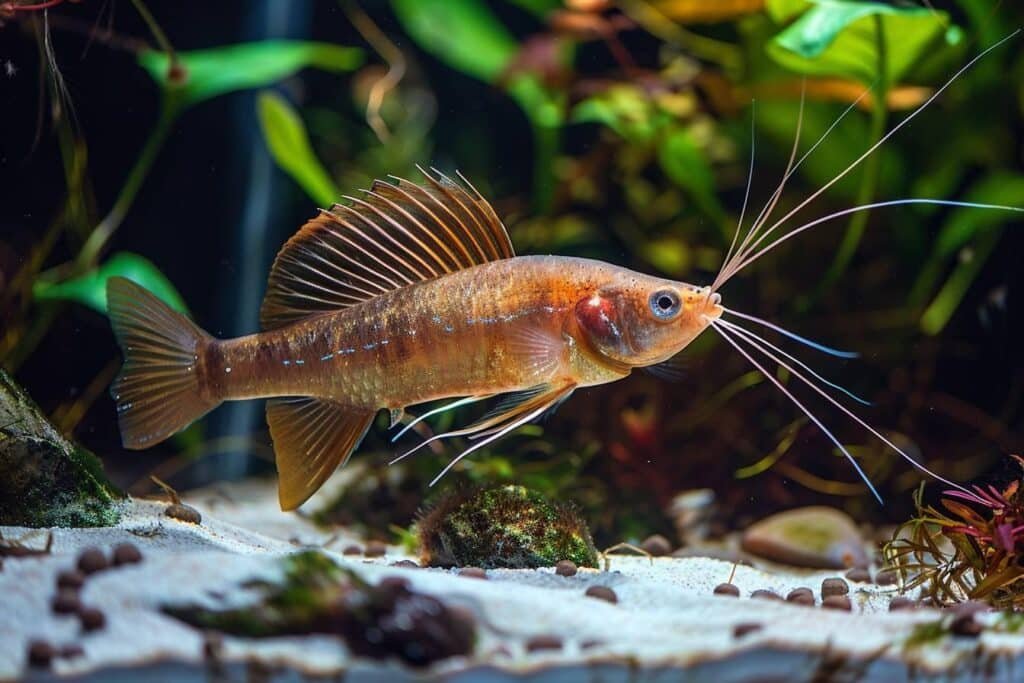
(687, 166)
(220, 70)
(288, 142)
(90, 289)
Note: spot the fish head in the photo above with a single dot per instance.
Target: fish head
(636, 320)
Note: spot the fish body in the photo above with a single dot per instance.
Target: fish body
(410, 295)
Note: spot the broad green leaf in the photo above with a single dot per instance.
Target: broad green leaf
(687, 166)
(464, 34)
(840, 38)
(90, 289)
(216, 71)
(288, 142)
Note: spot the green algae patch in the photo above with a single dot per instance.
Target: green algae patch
(504, 527)
(46, 480)
(386, 620)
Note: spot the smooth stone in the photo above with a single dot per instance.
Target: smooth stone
(819, 537)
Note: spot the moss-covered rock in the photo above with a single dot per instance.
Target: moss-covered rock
(507, 526)
(46, 480)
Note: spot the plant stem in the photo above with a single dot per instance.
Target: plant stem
(102, 233)
(869, 180)
(158, 33)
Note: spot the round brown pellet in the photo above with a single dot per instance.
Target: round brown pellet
(765, 594)
(602, 593)
(66, 601)
(859, 575)
(92, 560)
(40, 653)
(407, 564)
(473, 573)
(70, 578)
(566, 568)
(886, 577)
(727, 589)
(375, 549)
(965, 625)
(830, 587)
(543, 643)
(91, 619)
(801, 596)
(183, 513)
(72, 651)
(900, 602)
(126, 553)
(656, 545)
(740, 630)
(837, 602)
(352, 550)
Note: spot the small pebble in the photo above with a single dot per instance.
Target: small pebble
(92, 560)
(183, 513)
(657, 545)
(473, 573)
(543, 643)
(394, 584)
(837, 602)
(352, 550)
(92, 619)
(66, 601)
(900, 602)
(859, 575)
(590, 643)
(40, 653)
(727, 589)
(830, 587)
(602, 593)
(565, 568)
(375, 549)
(740, 630)
(886, 577)
(965, 625)
(765, 594)
(70, 578)
(126, 553)
(408, 564)
(72, 651)
(801, 596)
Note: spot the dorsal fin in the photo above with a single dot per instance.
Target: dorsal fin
(392, 236)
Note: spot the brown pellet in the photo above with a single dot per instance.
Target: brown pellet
(900, 602)
(66, 601)
(837, 602)
(859, 575)
(602, 593)
(91, 619)
(71, 651)
(473, 573)
(375, 549)
(966, 626)
(801, 596)
(70, 578)
(407, 564)
(830, 587)
(40, 653)
(543, 643)
(183, 513)
(886, 577)
(126, 553)
(765, 594)
(727, 589)
(657, 545)
(566, 568)
(352, 550)
(92, 560)
(740, 630)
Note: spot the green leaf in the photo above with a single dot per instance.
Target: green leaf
(464, 34)
(90, 289)
(220, 70)
(839, 38)
(687, 166)
(288, 142)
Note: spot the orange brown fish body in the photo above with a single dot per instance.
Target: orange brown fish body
(410, 295)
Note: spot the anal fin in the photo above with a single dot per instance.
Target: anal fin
(312, 438)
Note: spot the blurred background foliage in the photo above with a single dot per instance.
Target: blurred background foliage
(180, 145)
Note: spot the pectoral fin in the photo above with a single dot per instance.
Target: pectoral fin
(312, 438)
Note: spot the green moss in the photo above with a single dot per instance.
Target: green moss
(506, 526)
(45, 480)
(926, 633)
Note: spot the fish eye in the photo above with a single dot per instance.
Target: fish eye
(665, 304)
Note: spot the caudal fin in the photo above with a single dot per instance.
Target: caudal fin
(158, 392)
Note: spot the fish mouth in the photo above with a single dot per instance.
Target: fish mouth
(712, 309)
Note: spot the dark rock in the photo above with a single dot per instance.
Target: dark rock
(543, 643)
(727, 589)
(817, 536)
(740, 630)
(45, 480)
(352, 550)
(91, 619)
(830, 587)
(126, 553)
(602, 593)
(566, 568)
(71, 651)
(70, 578)
(503, 527)
(407, 564)
(375, 549)
(967, 626)
(887, 577)
(92, 560)
(801, 596)
(40, 654)
(765, 594)
(900, 603)
(183, 513)
(837, 602)
(656, 545)
(66, 601)
(859, 575)
(473, 572)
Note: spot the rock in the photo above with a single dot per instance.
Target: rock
(602, 593)
(727, 589)
(656, 545)
(859, 575)
(473, 573)
(566, 568)
(183, 513)
(92, 560)
(66, 601)
(376, 549)
(837, 602)
(801, 596)
(543, 642)
(817, 536)
(505, 526)
(830, 587)
(900, 602)
(126, 553)
(71, 578)
(40, 654)
(46, 480)
(765, 594)
(742, 629)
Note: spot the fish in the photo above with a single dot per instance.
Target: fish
(413, 293)
(410, 294)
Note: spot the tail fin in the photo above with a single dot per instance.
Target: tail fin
(159, 391)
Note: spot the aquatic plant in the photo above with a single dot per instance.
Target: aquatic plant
(971, 550)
